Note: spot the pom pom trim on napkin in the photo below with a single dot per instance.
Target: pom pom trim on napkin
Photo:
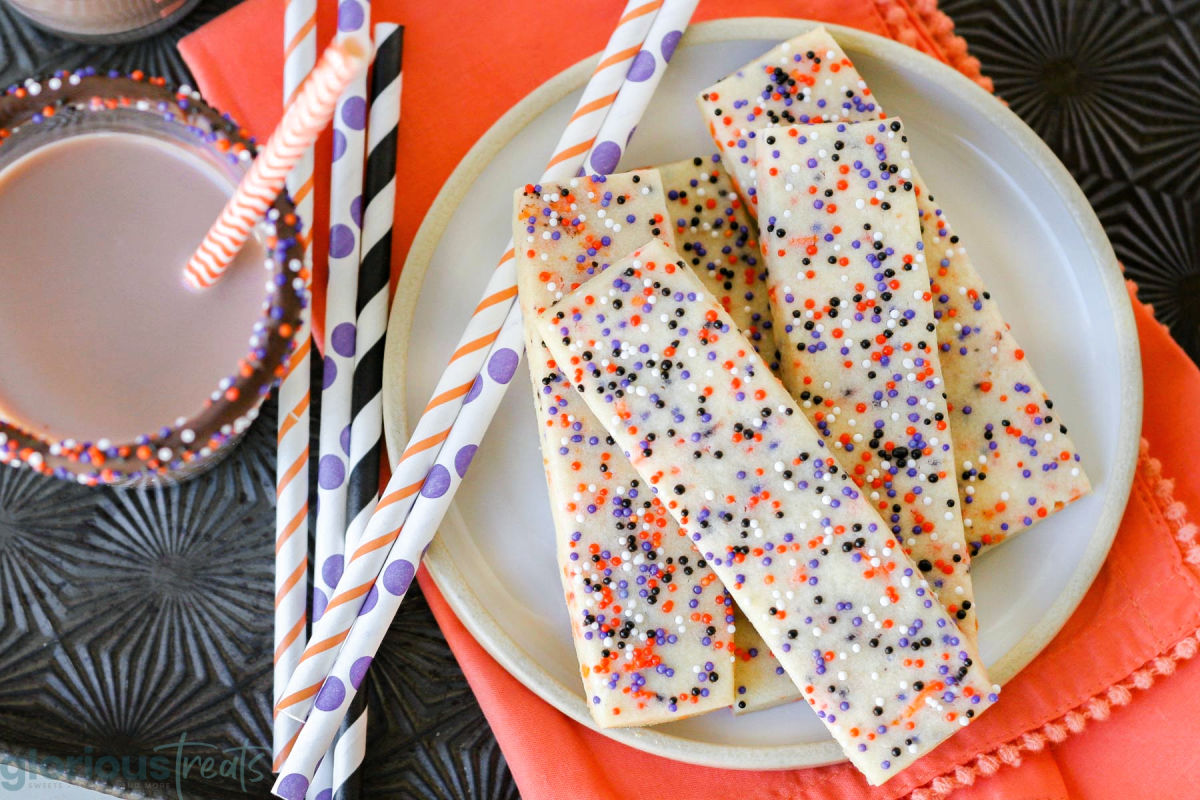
(1159, 493)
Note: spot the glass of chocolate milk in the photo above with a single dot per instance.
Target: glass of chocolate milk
(111, 369)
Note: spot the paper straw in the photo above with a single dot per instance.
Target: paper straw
(453, 386)
(379, 196)
(291, 462)
(303, 121)
(348, 753)
(366, 408)
(345, 210)
(602, 88)
(306, 115)
(644, 73)
(387, 592)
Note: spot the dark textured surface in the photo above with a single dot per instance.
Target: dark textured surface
(26, 50)
(137, 624)
(1113, 86)
(131, 619)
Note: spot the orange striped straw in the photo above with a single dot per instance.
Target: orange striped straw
(291, 455)
(302, 123)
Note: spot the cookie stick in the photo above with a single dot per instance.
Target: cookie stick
(1016, 462)
(854, 321)
(802, 551)
(718, 237)
(650, 621)
(806, 80)
(1002, 420)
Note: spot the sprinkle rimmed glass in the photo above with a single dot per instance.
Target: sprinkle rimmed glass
(166, 334)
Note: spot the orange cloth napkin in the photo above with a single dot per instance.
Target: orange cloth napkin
(1139, 623)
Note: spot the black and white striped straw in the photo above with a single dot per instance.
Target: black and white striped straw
(366, 408)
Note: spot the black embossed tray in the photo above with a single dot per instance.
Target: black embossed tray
(135, 626)
(135, 646)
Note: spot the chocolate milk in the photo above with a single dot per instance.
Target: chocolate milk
(99, 337)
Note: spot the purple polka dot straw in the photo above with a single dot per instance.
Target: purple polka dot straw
(641, 80)
(387, 593)
(362, 440)
(345, 195)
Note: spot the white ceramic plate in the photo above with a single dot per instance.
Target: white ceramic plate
(1034, 239)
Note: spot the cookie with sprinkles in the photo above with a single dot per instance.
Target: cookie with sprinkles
(1007, 481)
(854, 320)
(1016, 463)
(652, 624)
(717, 235)
(800, 547)
(805, 80)
(760, 681)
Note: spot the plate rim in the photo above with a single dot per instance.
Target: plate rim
(456, 589)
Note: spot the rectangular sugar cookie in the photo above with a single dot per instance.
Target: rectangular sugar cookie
(854, 323)
(652, 625)
(805, 555)
(1006, 482)
(719, 238)
(760, 682)
(805, 80)
(1017, 464)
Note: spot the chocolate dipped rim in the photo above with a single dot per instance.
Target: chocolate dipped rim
(183, 447)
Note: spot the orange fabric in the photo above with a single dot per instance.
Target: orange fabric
(1125, 655)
